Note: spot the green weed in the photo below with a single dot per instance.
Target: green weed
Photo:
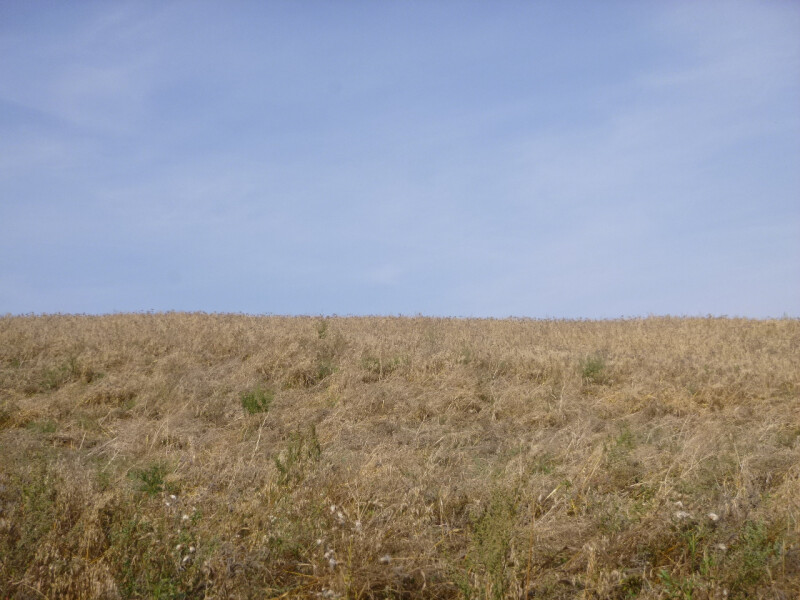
(151, 480)
(465, 355)
(322, 329)
(7, 410)
(257, 400)
(54, 378)
(544, 464)
(324, 364)
(621, 445)
(142, 562)
(302, 451)
(680, 588)
(377, 368)
(48, 426)
(39, 504)
(490, 545)
(325, 368)
(103, 480)
(593, 369)
(755, 551)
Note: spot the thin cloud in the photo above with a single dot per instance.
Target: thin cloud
(517, 161)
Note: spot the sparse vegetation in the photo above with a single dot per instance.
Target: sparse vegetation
(190, 456)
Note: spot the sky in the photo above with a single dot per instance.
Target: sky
(475, 159)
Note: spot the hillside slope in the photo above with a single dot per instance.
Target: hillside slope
(191, 455)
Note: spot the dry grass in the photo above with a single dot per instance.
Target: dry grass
(190, 455)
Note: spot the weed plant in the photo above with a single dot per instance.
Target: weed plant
(257, 400)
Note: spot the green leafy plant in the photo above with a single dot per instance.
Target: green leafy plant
(491, 543)
(143, 563)
(544, 463)
(151, 479)
(7, 411)
(47, 426)
(322, 329)
(325, 368)
(257, 400)
(377, 368)
(621, 446)
(593, 369)
(302, 451)
(755, 552)
(677, 587)
(54, 378)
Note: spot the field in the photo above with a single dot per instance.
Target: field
(226, 456)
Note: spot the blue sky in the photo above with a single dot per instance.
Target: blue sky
(562, 159)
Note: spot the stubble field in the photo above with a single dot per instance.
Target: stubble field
(226, 456)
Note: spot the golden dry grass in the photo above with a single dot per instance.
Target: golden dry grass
(398, 457)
